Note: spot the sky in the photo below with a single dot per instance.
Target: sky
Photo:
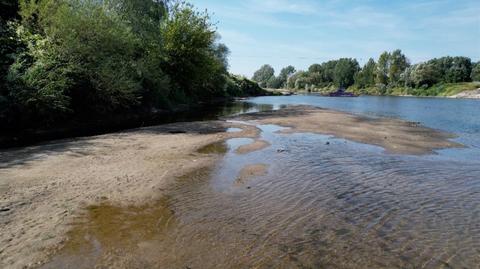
(303, 32)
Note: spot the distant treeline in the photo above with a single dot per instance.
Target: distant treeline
(76, 60)
(385, 76)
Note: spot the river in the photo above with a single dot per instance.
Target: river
(322, 203)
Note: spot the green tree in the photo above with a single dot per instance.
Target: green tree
(366, 77)
(9, 47)
(328, 69)
(475, 75)
(383, 67)
(425, 75)
(315, 68)
(8, 41)
(315, 71)
(89, 58)
(263, 75)
(78, 62)
(406, 78)
(274, 82)
(195, 61)
(457, 69)
(398, 62)
(298, 80)
(345, 71)
(285, 73)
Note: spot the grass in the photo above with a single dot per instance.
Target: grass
(455, 88)
(441, 90)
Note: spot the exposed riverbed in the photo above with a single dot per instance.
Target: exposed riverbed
(296, 188)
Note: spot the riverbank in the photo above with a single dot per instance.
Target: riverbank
(462, 90)
(44, 187)
(10, 138)
(473, 94)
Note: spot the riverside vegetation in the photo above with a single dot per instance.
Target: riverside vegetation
(391, 74)
(65, 62)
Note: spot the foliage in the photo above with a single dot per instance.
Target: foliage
(366, 76)
(241, 86)
(425, 75)
(263, 75)
(344, 72)
(398, 63)
(275, 82)
(475, 76)
(266, 78)
(194, 61)
(391, 75)
(66, 60)
(298, 81)
(383, 66)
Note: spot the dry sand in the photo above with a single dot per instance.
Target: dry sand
(395, 136)
(43, 187)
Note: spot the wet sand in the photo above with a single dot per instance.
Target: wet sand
(256, 145)
(44, 187)
(395, 136)
(249, 172)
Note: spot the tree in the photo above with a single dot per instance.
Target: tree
(298, 80)
(8, 40)
(398, 62)
(406, 78)
(366, 77)
(315, 68)
(425, 75)
(383, 67)
(83, 60)
(9, 47)
(328, 69)
(192, 54)
(285, 73)
(457, 69)
(274, 82)
(315, 72)
(265, 73)
(344, 72)
(87, 59)
(475, 75)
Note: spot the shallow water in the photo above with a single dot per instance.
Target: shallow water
(458, 116)
(324, 203)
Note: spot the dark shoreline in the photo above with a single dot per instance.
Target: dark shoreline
(81, 128)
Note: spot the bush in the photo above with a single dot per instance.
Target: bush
(89, 59)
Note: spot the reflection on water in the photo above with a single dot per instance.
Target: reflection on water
(320, 205)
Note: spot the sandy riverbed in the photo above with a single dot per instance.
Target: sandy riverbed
(256, 145)
(395, 136)
(43, 187)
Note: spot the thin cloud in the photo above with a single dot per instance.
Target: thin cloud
(282, 32)
(282, 6)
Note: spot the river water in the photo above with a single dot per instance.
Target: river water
(323, 203)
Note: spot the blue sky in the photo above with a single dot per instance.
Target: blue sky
(302, 32)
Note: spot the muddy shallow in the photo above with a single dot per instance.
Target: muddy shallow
(310, 201)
